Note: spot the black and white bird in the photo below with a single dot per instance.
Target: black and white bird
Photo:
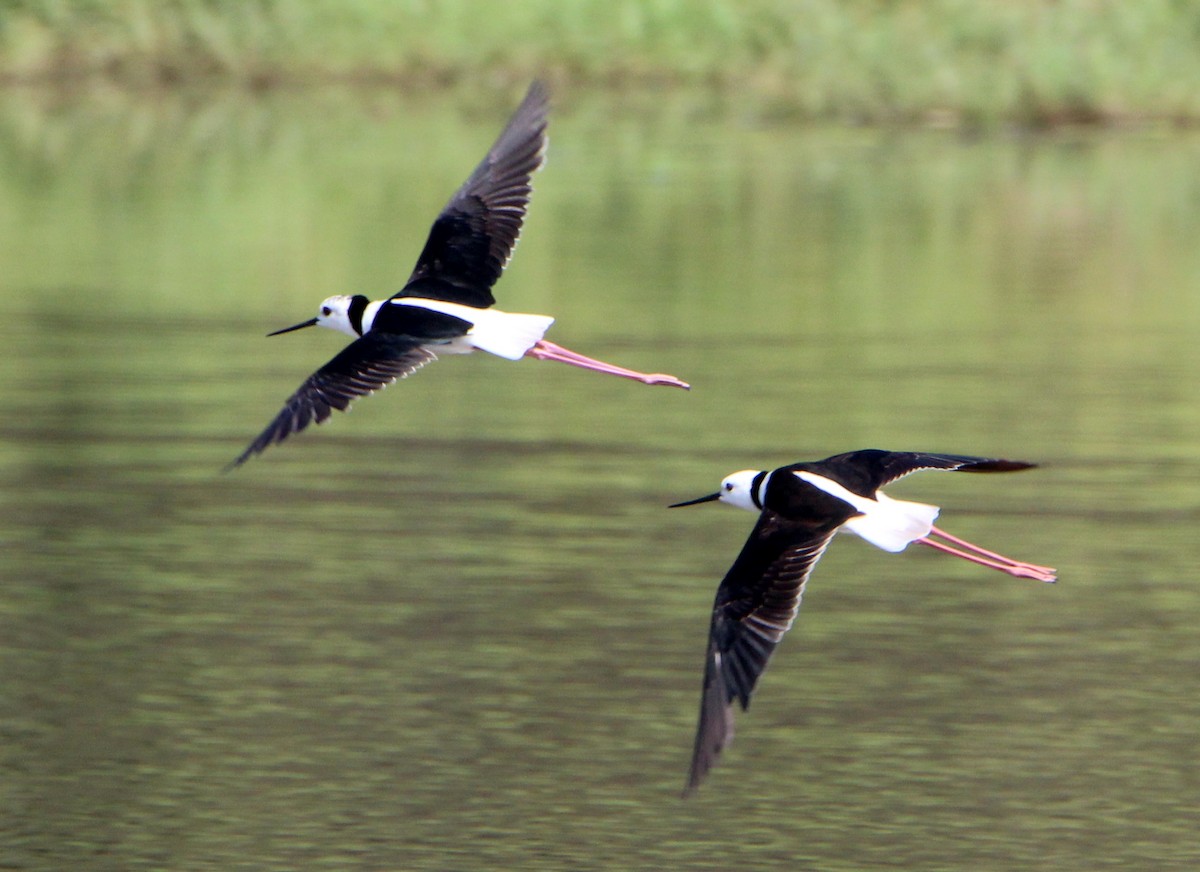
(800, 507)
(445, 307)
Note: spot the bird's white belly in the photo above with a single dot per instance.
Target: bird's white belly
(457, 345)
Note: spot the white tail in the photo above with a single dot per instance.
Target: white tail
(892, 524)
(507, 334)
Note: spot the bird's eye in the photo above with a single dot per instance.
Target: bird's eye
(326, 311)
(728, 486)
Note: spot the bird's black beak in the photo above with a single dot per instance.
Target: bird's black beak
(707, 499)
(311, 322)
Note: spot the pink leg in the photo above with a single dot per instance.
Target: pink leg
(544, 350)
(983, 557)
(962, 543)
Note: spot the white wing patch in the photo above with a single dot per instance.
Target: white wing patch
(884, 522)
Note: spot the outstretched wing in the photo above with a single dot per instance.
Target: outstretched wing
(363, 367)
(864, 472)
(472, 239)
(755, 605)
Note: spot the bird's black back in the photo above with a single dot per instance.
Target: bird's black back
(866, 471)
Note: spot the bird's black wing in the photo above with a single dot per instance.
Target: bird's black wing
(473, 237)
(864, 472)
(755, 605)
(363, 367)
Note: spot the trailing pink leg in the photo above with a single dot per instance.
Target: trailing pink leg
(544, 350)
(963, 543)
(975, 554)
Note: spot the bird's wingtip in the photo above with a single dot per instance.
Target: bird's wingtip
(1000, 465)
(235, 463)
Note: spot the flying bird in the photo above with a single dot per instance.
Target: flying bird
(445, 307)
(800, 507)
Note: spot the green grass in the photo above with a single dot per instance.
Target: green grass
(975, 62)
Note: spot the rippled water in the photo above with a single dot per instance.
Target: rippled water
(457, 629)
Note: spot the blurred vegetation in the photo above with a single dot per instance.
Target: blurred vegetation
(956, 62)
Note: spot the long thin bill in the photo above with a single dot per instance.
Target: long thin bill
(975, 554)
(704, 499)
(544, 350)
(311, 322)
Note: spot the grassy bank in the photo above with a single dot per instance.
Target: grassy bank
(947, 61)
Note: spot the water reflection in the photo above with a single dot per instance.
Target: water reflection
(457, 629)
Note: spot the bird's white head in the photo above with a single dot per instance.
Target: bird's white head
(335, 314)
(743, 489)
(738, 490)
(343, 313)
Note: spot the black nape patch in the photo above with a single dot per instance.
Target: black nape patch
(358, 305)
(758, 490)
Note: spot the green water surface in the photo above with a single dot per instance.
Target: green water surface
(457, 628)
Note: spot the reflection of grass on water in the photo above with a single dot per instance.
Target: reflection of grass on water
(949, 61)
(223, 202)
